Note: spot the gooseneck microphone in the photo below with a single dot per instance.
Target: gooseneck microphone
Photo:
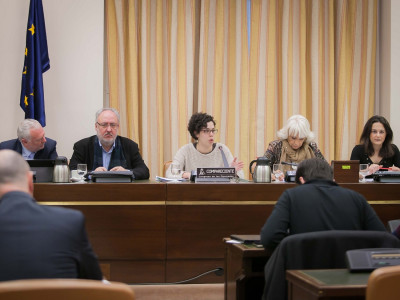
(226, 165)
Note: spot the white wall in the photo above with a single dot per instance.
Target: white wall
(73, 86)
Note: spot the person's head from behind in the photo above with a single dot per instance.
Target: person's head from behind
(296, 131)
(202, 128)
(31, 135)
(107, 124)
(313, 168)
(15, 174)
(377, 132)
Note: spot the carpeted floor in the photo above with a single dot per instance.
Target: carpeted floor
(179, 292)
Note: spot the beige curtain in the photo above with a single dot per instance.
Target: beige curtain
(170, 58)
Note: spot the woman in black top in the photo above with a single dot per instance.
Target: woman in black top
(376, 148)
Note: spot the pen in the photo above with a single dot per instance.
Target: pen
(385, 168)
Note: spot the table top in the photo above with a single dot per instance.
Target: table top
(329, 283)
(332, 277)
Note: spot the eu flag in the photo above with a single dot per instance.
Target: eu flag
(36, 63)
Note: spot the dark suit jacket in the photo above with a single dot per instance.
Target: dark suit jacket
(84, 154)
(38, 241)
(315, 206)
(48, 152)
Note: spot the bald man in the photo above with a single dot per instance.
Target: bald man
(38, 241)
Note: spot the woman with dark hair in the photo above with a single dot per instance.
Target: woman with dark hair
(205, 152)
(376, 148)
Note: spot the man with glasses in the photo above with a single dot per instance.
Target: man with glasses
(108, 151)
(31, 142)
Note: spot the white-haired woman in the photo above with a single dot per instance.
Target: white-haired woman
(295, 143)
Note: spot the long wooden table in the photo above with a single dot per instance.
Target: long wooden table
(155, 232)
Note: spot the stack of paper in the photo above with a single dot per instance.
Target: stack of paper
(165, 179)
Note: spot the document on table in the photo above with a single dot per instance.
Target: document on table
(165, 179)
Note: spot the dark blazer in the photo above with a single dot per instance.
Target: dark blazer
(84, 154)
(315, 206)
(39, 241)
(48, 152)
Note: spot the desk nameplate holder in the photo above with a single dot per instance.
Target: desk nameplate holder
(346, 171)
(215, 174)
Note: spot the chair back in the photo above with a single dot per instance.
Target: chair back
(166, 166)
(383, 283)
(318, 250)
(64, 289)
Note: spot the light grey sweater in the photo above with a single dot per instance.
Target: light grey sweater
(189, 158)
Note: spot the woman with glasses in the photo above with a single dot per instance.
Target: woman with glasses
(205, 151)
(376, 148)
(294, 144)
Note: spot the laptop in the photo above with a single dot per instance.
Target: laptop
(42, 169)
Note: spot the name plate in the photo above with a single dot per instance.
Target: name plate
(210, 173)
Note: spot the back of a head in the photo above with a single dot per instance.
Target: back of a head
(24, 128)
(13, 168)
(314, 168)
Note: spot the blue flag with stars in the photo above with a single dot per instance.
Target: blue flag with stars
(36, 63)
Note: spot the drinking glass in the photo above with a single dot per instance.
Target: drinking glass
(363, 171)
(277, 170)
(81, 169)
(176, 170)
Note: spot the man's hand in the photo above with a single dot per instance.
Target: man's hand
(101, 169)
(118, 168)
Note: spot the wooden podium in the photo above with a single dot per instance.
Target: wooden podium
(244, 271)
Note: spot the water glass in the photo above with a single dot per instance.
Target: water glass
(81, 169)
(278, 171)
(363, 171)
(176, 170)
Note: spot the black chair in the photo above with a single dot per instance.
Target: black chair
(317, 250)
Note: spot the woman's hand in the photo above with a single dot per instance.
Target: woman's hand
(238, 165)
(394, 168)
(373, 168)
(281, 177)
(186, 175)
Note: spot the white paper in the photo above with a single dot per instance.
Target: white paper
(165, 179)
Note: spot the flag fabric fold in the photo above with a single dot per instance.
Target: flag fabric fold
(35, 64)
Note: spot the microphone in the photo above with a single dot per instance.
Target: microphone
(226, 165)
